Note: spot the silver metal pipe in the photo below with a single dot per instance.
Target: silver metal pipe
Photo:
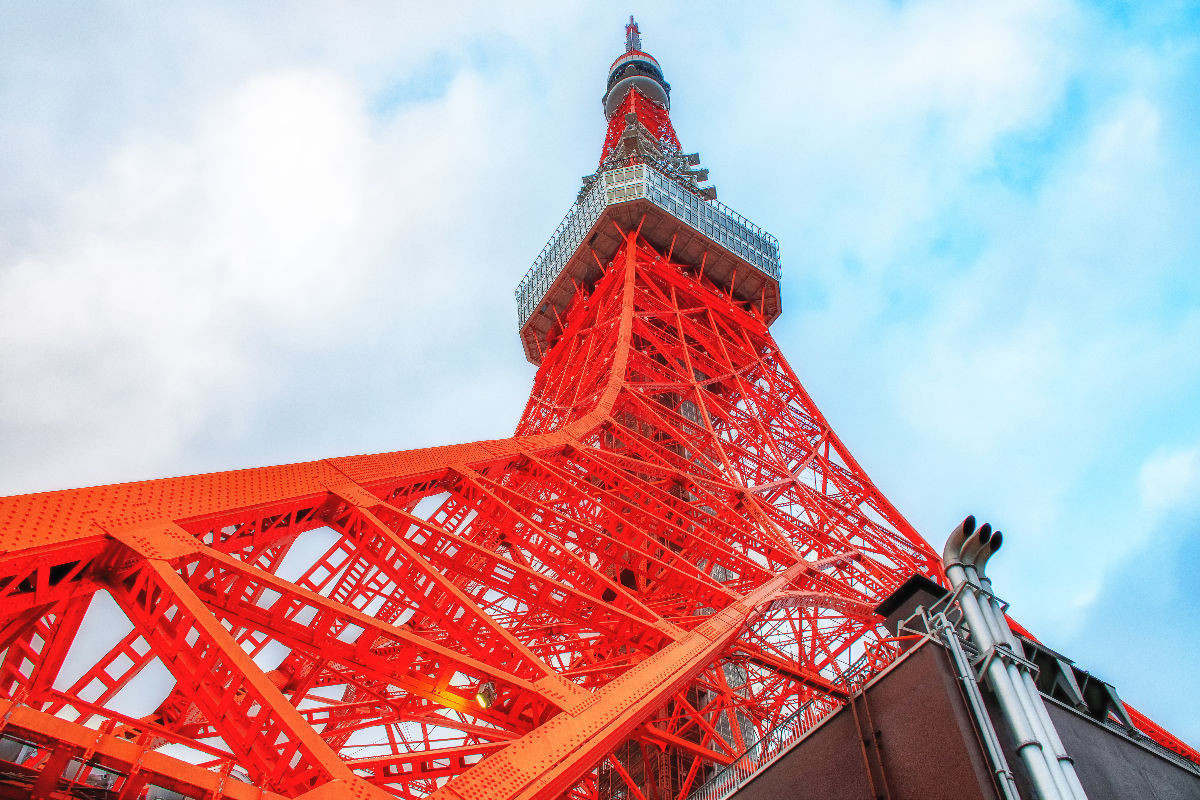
(976, 554)
(1019, 677)
(1061, 766)
(979, 547)
(939, 625)
(975, 545)
(1066, 764)
(1041, 765)
(952, 552)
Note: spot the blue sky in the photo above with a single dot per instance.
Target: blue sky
(232, 237)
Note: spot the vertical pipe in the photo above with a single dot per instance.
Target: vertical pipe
(975, 552)
(1018, 675)
(862, 746)
(966, 676)
(1029, 746)
(1065, 763)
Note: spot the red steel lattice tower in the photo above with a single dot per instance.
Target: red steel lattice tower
(672, 555)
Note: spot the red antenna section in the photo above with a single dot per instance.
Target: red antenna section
(633, 37)
(637, 94)
(637, 109)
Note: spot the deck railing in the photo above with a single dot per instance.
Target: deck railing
(621, 185)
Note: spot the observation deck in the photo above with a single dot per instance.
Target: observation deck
(737, 255)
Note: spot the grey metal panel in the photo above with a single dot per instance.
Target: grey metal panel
(714, 220)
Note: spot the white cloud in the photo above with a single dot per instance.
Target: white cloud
(169, 291)
(1170, 480)
(989, 343)
(140, 309)
(1028, 359)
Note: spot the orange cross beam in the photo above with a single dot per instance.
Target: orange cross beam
(548, 760)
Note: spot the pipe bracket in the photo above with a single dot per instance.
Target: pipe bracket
(1004, 653)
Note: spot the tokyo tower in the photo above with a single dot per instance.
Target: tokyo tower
(671, 557)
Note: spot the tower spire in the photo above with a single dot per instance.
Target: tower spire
(633, 37)
(637, 104)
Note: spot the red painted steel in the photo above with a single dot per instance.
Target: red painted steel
(652, 115)
(672, 554)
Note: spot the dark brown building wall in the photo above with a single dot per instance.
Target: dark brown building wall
(1109, 765)
(928, 748)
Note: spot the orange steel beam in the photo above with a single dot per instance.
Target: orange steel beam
(550, 759)
(140, 542)
(661, 737)
(265, 709)
(792, 670)
(105, 748)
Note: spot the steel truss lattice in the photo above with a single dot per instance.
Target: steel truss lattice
(672, 555)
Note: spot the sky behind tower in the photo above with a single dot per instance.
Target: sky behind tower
(243, 234)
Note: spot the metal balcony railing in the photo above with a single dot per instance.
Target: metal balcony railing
(621, 185)
(778, 740)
